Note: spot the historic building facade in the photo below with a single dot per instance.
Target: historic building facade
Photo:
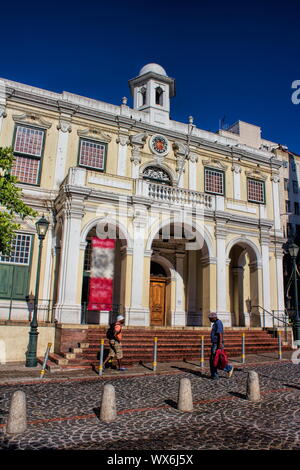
(195, 215)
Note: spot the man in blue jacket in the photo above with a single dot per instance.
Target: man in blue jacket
(216, 336)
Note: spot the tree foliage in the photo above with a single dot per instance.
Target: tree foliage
(11, 204)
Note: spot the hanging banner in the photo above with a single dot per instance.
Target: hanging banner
(102, 274)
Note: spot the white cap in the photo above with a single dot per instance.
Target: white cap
(120, 317)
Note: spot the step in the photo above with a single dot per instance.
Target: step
(50, 365)
(60, 360)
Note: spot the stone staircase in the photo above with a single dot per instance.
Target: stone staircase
(173, 345)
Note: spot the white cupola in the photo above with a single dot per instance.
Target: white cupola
(151, 91)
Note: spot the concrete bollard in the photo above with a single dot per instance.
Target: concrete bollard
(253, 390)
(185, 399)
(108, 410)
(17, 418)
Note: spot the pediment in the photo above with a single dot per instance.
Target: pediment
(33, 119)
(95, 133)
(256, 174)
(215, 163)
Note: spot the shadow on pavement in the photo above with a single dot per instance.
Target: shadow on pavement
(191, 371)
(97, 411)
(171, 403)
(238, 395)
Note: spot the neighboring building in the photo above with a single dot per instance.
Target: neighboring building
(290, 215)
(82, 162)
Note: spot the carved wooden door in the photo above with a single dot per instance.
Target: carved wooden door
(157, 301)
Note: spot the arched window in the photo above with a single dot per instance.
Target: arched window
(159, 96)
(144, 95)
(158, 175)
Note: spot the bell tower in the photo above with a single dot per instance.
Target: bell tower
(152, 90)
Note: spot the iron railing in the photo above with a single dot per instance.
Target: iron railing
(280, 318)
(22, 309)
(112, 309)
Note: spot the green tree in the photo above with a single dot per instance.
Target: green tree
(11, 204)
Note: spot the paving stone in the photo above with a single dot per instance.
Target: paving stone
(65, 414)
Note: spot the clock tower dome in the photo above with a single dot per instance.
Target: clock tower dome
(152, 90)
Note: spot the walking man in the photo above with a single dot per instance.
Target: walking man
(114, 335)
(216, 335)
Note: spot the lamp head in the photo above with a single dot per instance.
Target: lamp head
(293, 250)
(42, 227)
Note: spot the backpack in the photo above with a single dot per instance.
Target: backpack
(110, 334)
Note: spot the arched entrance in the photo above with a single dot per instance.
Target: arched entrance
(244, 285)
(180, 277)
(114, 267)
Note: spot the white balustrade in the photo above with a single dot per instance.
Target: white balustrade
(173, 195)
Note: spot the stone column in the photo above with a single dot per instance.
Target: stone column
(68, 308)
(64, 128)
(193, 317)
(222, 287)
(180, 308)
(256, 294)
(47, 278)
(123, 142)
(279, 278)
(266, 277)
(238, 292)
(236, 169)
(208, 288)
(138, 314)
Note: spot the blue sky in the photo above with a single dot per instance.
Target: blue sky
(232, 59)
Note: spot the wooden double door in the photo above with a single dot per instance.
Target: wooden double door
(157, 301)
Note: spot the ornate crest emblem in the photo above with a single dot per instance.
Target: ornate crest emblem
(159, 145)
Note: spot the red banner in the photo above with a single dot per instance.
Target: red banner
(102, 274)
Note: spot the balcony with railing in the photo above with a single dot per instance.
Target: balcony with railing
(172, 195)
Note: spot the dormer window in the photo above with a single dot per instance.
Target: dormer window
(144, 95)
(159, 96)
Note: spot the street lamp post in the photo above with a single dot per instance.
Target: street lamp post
(293, 250)
(31, 359)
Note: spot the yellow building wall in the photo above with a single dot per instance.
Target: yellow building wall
(14, 342)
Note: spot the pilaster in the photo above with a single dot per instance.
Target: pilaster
(123, 141)
(64, 128)
(181, 152)
(137, 142)
(276, 202)
(236, 170)
(193, 159)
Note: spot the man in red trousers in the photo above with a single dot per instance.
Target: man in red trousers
(216, 336)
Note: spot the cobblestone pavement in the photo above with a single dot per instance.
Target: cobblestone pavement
(65, 414)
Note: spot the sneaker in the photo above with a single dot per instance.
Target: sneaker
(215, 377)
(122, 368)
(231, 371)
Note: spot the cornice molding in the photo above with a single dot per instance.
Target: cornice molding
(48, 100)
